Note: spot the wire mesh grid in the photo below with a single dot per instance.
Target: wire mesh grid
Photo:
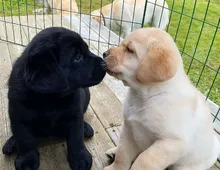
(193, 24)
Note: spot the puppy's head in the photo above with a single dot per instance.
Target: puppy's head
(58, 60)
(148, 55)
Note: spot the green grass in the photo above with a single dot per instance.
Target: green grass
(186, 43)
(86, 5)
(18, 7)
(203, 47)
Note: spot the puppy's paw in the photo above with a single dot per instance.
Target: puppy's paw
(118, 166)
(28, 161)
(88, 130)
(81, 160)
(111, 153)
(111, 167)
(106, 168)
(10, 146)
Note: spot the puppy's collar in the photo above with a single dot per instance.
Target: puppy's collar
(103, 18)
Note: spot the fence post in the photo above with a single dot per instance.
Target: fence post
(145, 9)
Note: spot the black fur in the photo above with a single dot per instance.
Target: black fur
(48, 94)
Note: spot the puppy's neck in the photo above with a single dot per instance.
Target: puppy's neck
(180, 83)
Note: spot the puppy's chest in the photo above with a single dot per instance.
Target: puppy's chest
(140, 119)
(50, 119)
(50, 116)
(137, 111)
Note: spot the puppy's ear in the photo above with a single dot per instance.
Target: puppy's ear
(160, 64)
(46, 80)
(42, 71)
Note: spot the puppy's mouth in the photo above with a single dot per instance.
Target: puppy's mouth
(115, 74)
(109, 64)
(112, 73)
(103, 66)
(99, 72)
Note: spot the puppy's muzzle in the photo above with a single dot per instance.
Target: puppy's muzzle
(103, 65)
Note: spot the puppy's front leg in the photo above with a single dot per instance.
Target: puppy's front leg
(78, 156)
(27, 153)
(126, 152)
(159, 155)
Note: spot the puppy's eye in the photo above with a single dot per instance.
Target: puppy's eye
(78, 58)
(129, 50)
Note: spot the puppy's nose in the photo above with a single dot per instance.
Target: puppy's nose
(105, 54)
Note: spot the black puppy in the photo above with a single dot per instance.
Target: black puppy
(48, 95)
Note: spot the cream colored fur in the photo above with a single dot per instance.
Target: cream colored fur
(130, 11)
(58, 7)
(167, 122)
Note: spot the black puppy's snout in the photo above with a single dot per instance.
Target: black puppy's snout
(103, 65)
(105, 54)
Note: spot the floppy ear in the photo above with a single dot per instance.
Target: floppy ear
(160, 64)
(46, 80)
(42, 72)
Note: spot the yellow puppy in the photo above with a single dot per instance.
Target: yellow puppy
(130, 11)
(166, 120)
(58, 6)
